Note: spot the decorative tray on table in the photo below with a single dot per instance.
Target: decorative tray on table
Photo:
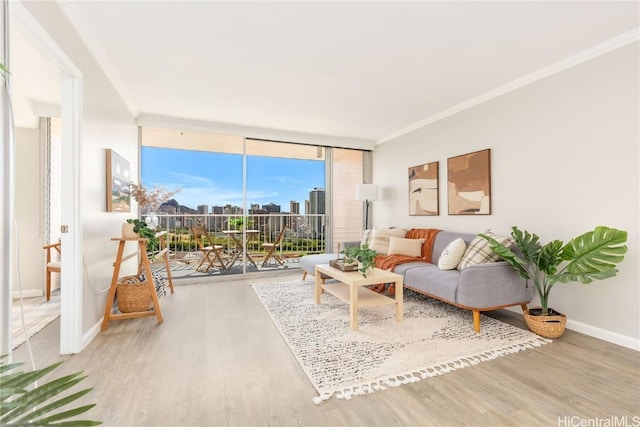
(339, 264)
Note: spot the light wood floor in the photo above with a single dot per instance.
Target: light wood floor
(218, 360)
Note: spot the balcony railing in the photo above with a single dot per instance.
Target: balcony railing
(305, 234)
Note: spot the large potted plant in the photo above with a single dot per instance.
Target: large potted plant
(588, 257)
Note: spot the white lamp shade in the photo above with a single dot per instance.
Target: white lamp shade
(367, 192)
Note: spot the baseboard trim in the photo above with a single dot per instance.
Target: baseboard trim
(90, 334)
(29, 293)
(592, 331)
(603, 334)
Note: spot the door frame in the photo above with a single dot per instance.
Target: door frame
(71, 117)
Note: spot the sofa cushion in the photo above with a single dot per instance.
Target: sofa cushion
(452, 254)
(430, 279)
(402, 246)
(380, 238)
(479, 251)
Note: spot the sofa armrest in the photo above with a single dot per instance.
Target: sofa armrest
(492, 284)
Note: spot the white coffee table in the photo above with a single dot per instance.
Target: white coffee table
(352, 291)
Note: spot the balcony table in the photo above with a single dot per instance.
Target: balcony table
(237, 236)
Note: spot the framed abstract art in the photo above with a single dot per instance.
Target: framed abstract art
(469, 183)
(423, 189)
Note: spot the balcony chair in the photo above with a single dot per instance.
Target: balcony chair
(53, 263)
(212, 253)
(272, 247)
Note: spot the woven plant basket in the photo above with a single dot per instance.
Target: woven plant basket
(546, 326)
(133, 295)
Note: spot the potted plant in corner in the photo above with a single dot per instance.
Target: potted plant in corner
(364, 255)
(588, 257)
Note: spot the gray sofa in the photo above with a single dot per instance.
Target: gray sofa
(479, 287)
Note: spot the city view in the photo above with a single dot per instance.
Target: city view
(282, 194)
(212, 182)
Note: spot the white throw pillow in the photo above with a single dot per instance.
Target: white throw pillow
(452, 254)
(402, 246)
(380, 238)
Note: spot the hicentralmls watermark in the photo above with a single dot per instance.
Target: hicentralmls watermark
(613, 421)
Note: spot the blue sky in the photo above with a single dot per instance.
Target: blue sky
(216, 179)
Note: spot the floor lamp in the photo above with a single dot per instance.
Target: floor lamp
(366, 193)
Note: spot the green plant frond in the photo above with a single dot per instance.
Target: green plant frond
(586, 278)
(9, 367)
(44, 392)
(594, 252)
(507, 255)
(51, 420)
(549, 257)
(7, 392)
(529, 243)
(53, 405)
(23, 379)
(77, 423)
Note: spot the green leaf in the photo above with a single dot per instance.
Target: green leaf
(550, 257)
(593, 255)
(507, 255)
(19, 404)
(64, 415)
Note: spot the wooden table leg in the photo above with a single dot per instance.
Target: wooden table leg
(318, 286)
(112, 290)
(399, 302)
(353, 307)
(149, 276)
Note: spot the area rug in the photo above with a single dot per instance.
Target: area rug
(435, 338)
(38, 313)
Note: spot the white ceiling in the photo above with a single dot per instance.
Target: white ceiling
(357, 69)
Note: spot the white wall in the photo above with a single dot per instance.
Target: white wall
(564, 159)
(106, 124)
(28, 215)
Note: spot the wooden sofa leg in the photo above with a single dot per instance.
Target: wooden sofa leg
(524, 307)
(304, 274)
(476, 321)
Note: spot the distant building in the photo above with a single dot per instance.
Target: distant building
(317, 211)
(203, 209)
(271, 208)
(294, 207)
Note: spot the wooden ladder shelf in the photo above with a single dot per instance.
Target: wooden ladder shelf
(145, 266)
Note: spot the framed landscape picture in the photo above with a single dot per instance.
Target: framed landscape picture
(469, 183)
(118, 184)
(423, 189)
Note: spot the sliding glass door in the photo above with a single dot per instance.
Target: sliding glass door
(268, 203)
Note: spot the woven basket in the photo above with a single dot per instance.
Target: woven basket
(546, 326)
(133, 295)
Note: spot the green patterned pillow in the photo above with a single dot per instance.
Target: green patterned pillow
(479, 251)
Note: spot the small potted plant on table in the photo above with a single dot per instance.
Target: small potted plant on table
(364, 255)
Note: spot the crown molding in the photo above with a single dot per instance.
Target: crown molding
(231, 129)
(586, 55)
